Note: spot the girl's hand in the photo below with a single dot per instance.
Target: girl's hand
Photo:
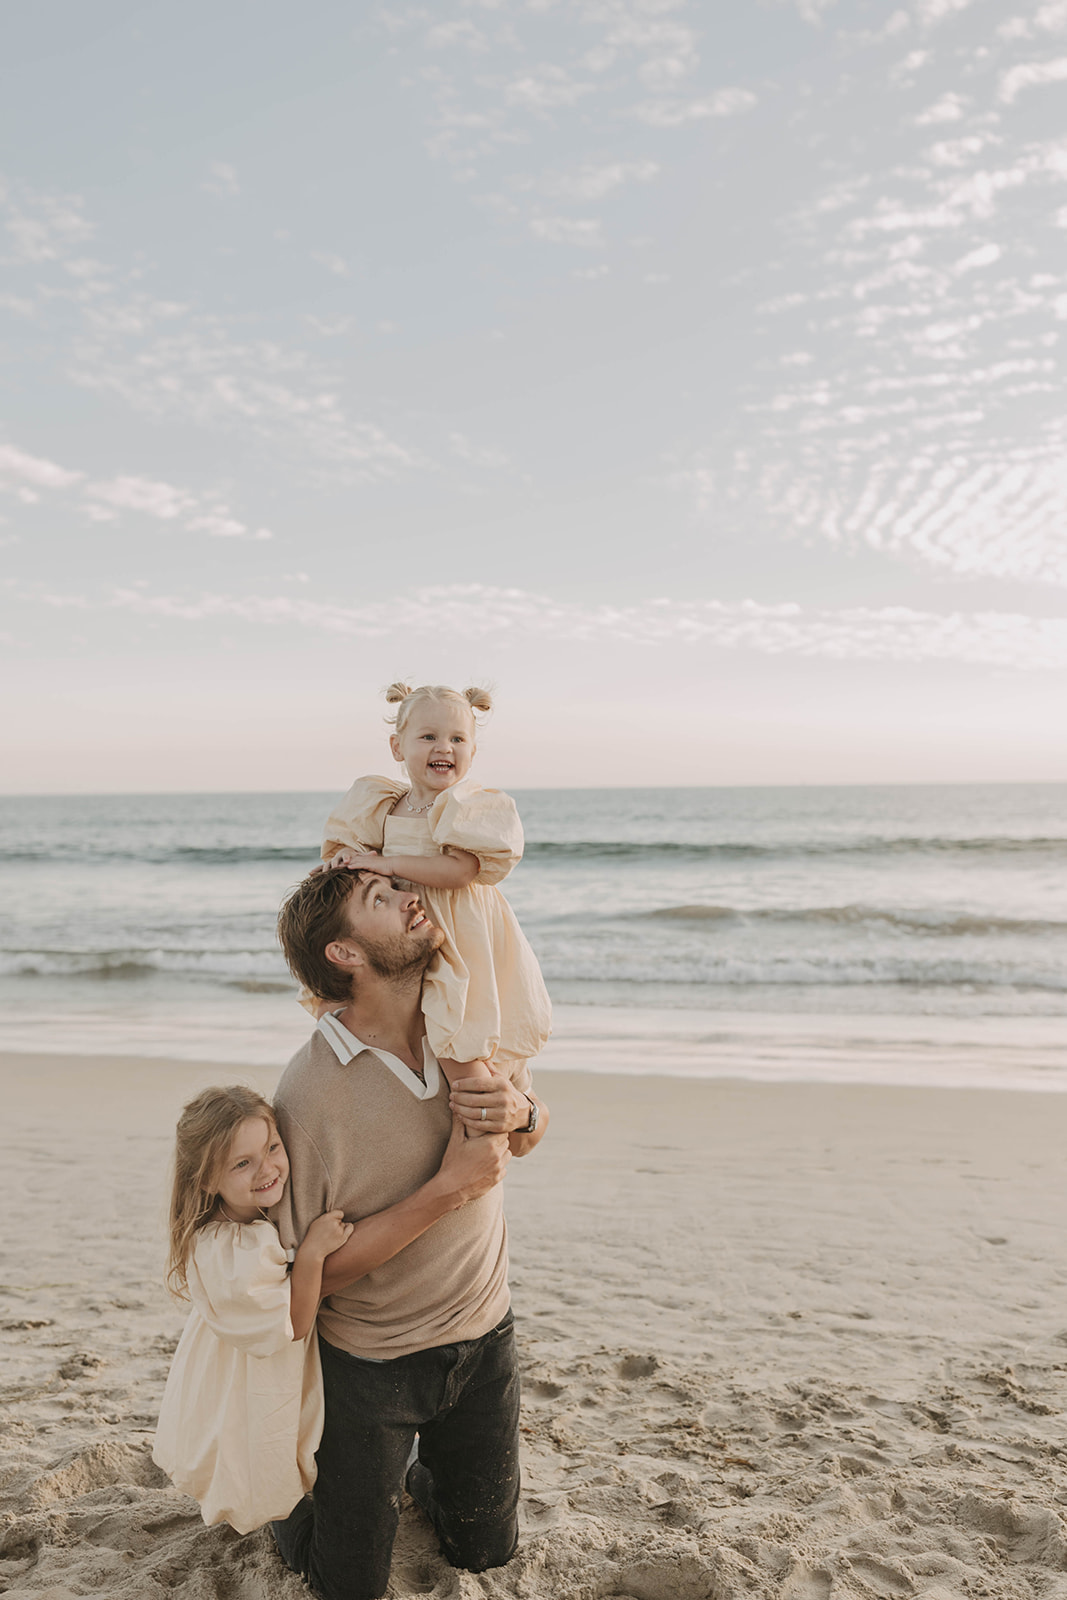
(354, 860)
(359, 861)
(327, 1234)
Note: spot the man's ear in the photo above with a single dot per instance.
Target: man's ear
(348, 956)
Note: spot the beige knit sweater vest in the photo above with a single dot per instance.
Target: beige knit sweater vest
(358, 1139)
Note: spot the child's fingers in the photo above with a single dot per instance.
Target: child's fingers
(483, 1085)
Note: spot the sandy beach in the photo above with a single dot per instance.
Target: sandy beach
(778, 1339)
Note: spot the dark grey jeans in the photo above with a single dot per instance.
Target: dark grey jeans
(463, 1400)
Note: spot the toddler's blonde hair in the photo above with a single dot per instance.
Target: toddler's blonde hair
(205, 1132)
(407, 698)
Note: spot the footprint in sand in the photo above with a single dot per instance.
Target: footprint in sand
(631, 1367)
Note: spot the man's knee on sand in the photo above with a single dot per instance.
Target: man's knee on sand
(468, 1540)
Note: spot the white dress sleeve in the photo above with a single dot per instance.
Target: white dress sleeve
(357, 821)
(484, 822)
(239, 1284)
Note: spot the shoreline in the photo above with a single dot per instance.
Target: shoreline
(798, 1340)
(915, 1049)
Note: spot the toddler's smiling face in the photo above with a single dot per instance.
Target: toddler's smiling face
(436, 744)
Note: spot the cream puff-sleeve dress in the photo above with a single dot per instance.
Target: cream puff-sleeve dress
(242, 1410)
(483, 995)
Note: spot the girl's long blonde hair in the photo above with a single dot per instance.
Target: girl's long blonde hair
(205, 1132)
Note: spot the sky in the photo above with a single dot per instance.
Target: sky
(690, 373)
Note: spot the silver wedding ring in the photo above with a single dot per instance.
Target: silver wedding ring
(483, 1113)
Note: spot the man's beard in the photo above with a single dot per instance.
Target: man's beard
(399, 957)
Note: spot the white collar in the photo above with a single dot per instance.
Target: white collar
(345, 1045)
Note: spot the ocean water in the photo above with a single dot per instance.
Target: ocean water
(144, 924)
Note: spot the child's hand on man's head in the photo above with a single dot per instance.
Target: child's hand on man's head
(353, 860)
(358, 860)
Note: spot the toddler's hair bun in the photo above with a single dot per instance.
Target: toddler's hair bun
(478, 699)
(397, 692)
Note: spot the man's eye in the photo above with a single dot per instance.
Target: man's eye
(378, 901)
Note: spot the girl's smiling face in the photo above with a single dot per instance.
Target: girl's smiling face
(436, 745)
(254, 1171)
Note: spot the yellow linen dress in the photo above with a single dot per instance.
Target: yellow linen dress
(483, 994)
(242, 1411)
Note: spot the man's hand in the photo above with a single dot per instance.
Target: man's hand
(471, 1167)
(505, 1108)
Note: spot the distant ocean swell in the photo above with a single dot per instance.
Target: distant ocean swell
(550, 851)
(942, 924)
(612, 963)
(183, 855)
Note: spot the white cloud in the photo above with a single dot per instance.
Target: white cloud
(102, 501)
(949, 108)
(220, 525)
(460, 31)
(931, 12)
(593, 181)
(674, 113)
(222, 180)
(983, 256)
(155, 499)
(584, 231)
(1052, 18)
(477, 455)
(856, 633)
(18, 464)
(546, 89)
(332, 262)
(957, 152)
(1030, 75)
(166, 359)
(45, 227)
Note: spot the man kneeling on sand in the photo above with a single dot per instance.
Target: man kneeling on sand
(423, 1345)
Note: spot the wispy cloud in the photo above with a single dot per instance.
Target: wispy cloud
(858, 633)
(674, 113)
(165, 358)
(221, 180)
(18, 466)
(584, 231)
(1030, 75)
(924, 289)
(43, 227)
(592, 180)
(332, 262)
(29, 477)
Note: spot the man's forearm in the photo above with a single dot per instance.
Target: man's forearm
(376, 1239)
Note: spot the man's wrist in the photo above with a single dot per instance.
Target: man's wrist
(529, 1125)
(442, 1194)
